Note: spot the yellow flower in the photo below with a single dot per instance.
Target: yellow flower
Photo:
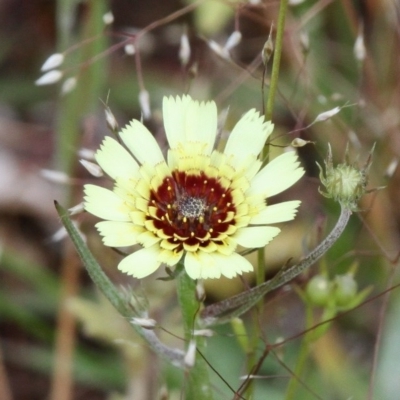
(201, 203)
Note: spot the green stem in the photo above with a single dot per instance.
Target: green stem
(197, 386)
(277, 59)
(221, 312)
(260, 275)
(116, 298)
(301, 358)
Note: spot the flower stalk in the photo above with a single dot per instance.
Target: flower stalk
(116, 298)
(224, 310)
(197, 386)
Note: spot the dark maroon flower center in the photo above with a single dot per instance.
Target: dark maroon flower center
(192, 209)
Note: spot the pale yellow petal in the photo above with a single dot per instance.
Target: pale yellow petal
(119, 234)
(141, 143)
(191, 247)
(231, 265)
(169, 257)
(200, 265)
(115, 160)
(167, 245)
(212, 265)
(276, 213)
(256, 236)
(138, 217)
(148, 239)
(228, 246)
(141, 263)
(174, 116)
(248, 137)
(186, 120)
(105, 204)
(201, 123)
(277, 176)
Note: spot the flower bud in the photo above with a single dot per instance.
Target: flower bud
(54, 61)
(49, 78)
(268, 49)
(298, 142)
(77, 209)
(129, 49)
(344, 183)
(359, 46)
(110, 119)
(68, 85)
(190, 356)
(344, 289)
(184, 50)
(144, 101)
(92, 168)
(233, 40)
(108, 18)
(318, 290)
(327, 114)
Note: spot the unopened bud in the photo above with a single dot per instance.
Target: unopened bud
(68, 85)
(318, 290)
(184, 50)
(87, 154)
(268, 49)
(92, 168)
(233, 40)
(144, 101)
(55, 176)
(108, 18)
(190, 356)
(344, 290)
(327, 114)
(130, 49)
(298, 142)
(79, 208)
(344, 183)
(49, 78)
(391, 169)
(110, 119)
(200, 292)
(59, 235)
(359, 46)
(62, 233)
(54, 61)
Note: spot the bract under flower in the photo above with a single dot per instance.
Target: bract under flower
(200, 203)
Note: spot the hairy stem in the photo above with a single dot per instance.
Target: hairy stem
(221, 312)
(197, 386)
(116, 298)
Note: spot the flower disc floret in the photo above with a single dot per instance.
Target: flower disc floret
(201, 203)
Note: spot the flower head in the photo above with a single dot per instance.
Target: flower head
(345, 183)
(200, 203)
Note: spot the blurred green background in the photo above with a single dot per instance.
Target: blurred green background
(58, 338)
